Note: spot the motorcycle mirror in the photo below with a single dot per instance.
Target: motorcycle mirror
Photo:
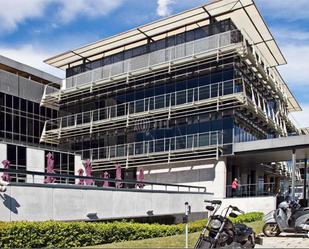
(235, 209)
(210, 208)
(233, 215)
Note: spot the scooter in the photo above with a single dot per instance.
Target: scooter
(288, 218)
(222, 232)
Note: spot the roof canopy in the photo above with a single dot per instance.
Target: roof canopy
(243, 13)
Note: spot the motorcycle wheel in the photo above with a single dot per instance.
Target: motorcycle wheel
(271, 230)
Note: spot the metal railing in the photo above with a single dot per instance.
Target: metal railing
(252, 190)
(37, 178)
(147, 105)
(165, 145)
(158, 57)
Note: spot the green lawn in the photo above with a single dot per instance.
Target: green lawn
(177, 241)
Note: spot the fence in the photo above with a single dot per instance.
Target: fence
(37, 178)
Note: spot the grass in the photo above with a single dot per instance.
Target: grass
(177, 241)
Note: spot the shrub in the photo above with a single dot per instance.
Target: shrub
(249, 217)
(78, 234)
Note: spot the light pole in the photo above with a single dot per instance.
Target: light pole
(293, 173)
(186, 220)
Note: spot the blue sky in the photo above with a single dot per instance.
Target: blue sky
(33, 30)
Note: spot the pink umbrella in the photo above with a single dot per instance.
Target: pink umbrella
(118, 176)
(6, 165)
(88, 169)
(81, 173)
(141, 178)
(50, 168)
(106, 176)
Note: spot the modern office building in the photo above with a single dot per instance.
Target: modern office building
(174, 97)
(22, 120)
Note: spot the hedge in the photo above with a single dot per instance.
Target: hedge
(249, 217)
(79, 234)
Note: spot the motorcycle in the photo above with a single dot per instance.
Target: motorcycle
(288, 218)
(222, 232)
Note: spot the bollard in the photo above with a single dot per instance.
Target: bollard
(186, 220)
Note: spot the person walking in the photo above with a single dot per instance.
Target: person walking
(234, 187)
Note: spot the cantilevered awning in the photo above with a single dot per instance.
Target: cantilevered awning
(244, 14)
(271, 150)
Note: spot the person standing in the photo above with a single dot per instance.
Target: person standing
(234, 187)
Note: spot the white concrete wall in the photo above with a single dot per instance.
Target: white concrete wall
(3, 154)
(35, 162)
(211, 176)
(35, 203)
(219, 183)
(252, 204)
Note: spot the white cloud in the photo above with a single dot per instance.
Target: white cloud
(15, 12)
(32, 56)
(164, 7)
(297, 69)
(301, 119)
(69, 10)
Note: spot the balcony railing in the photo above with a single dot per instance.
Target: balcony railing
(147, 105)
(33, 178)
(22, 87)
(146, 61)
(164, 146)
(258, 189)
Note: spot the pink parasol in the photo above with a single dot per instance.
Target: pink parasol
(141, 178)
(6, 165)
(50, 168)
(106, 176)
(88, 169)
(118, 176)
(81, 173)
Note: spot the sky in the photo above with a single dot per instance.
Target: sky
(34, 30)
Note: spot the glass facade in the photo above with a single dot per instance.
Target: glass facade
(206, 31)
(22, 120)
(17, 156)
(198, 83)
(210, 101)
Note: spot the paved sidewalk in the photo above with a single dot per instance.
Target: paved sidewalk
(285, 241)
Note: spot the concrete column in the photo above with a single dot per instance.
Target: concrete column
(220, 179)
(35, 162)
(3, 154)
(78, 164)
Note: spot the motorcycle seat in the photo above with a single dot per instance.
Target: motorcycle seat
(241, 228)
